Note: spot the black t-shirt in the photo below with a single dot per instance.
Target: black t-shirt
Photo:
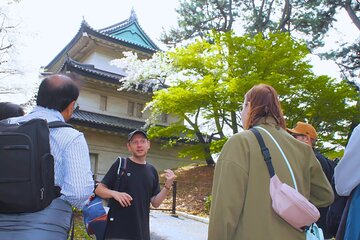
(141, 182)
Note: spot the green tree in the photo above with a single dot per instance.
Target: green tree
(308, 20)
(312, 19)
(199, 18)
(208, 82)
(348, 59)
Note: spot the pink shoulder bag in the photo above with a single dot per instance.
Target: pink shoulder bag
(287, 202)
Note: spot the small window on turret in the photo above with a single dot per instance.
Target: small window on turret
(139, 108)
(131, 108)
(103, 103)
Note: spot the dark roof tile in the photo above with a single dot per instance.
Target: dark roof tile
(111, 123)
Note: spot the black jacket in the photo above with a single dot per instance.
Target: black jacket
(328, 168)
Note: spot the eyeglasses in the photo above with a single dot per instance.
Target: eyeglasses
(138, 142)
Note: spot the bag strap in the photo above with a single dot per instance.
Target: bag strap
(265, 152)
(59, 124)
(5, 121)
(122, 165)
(283, 154)
(120, 171)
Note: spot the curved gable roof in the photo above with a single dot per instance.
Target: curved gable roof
(130, 30)
(127, 33)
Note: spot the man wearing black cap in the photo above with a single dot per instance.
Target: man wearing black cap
(128, 217)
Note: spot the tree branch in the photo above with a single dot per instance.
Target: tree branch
(352, 14)
(7, 47)
(285, 16)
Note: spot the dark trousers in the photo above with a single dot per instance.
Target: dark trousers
(51, 223)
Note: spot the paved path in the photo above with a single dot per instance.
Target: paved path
(163, 226)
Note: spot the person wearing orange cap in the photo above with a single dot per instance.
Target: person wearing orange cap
(306, 133)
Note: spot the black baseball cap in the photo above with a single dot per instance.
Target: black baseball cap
(135, 132)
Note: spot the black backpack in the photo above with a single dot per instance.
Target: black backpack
(27, 166)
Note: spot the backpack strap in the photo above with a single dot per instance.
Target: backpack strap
(120, 171)
(265, 151)
(122, 166)
(54, 124)
(59, 124)
(5, 121)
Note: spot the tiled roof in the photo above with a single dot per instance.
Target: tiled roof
(105, 122)
(126, 42)
(102, 34)
(90, 70)
(131, 31)
(121, 24)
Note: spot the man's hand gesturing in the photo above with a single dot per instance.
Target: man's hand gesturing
(170, 177)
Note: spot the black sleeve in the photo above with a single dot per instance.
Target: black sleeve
(326, 165)
(156, 185)
(110, 177)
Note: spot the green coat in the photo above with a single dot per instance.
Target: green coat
(241, 203)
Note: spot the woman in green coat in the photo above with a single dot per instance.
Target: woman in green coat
(241, 204)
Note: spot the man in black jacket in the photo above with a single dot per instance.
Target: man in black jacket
(306, 133)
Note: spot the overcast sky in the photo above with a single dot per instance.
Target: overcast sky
(46, 26)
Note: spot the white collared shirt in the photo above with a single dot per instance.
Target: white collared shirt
(71, 158)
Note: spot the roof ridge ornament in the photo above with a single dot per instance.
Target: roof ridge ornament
(133, 16)
(84, 22)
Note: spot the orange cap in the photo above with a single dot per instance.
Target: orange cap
(302, 128)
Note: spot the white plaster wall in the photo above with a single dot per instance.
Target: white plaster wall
(89, 100)
(116, 106)
(101, 60)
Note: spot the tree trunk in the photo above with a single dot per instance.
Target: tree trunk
(206, 147)
(234, 125)
(208, 158)
(352, 14)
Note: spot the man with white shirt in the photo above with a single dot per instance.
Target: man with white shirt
(56, 98)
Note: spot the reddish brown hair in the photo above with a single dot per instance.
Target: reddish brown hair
(264, 102)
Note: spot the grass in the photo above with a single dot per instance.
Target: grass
(79, 230)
